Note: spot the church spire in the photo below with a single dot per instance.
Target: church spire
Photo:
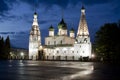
(83, 28)
(35, 21)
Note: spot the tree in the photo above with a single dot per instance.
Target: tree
(7, 46)
(1, 48)
(4, 48)
(107, 42)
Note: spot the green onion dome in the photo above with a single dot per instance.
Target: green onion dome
(51, 28)
(62, 25)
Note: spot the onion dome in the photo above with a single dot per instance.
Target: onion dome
(35, 13)
(51, 28)
(72, 30)
(62, 25)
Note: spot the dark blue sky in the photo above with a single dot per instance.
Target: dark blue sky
(16, 16)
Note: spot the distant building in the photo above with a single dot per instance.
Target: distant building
(18, 53)
(61, 46)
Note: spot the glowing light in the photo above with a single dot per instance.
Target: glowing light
(11, 54)
(93, 55)
(22, 54)
(40, 48)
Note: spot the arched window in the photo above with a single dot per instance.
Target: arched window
(54, 42)
(64, 51)
(61, 42)
(83, 51)
(57, 51)
(77, 51)
(48, 42)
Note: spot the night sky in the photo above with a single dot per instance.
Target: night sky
(16, 16)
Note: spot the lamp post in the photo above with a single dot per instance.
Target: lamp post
(93, 56)
(10, 57)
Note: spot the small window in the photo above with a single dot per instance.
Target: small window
(61, 42)
(48, 42)
(80, 46)
(85, 39)
(54, 42)
(72, 51)
(77, 51)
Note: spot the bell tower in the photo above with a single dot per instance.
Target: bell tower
(83, 38)
(34, 39)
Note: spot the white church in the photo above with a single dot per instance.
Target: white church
(61, 46)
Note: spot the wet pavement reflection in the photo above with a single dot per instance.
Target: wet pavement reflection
(57, 70)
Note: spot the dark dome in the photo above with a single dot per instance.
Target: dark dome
(51, 28)
(62, 24)
(35, 13)
(72, 30)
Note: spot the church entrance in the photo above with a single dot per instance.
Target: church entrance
(40, 55)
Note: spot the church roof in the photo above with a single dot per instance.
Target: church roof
(82, 28)
(62, 24)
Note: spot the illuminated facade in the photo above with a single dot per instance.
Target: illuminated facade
(34, 39)
(63, 47)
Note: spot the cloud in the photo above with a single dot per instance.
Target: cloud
(92, 2)
(64, 3)
(17, 39)
(5, 5)
(7, 33)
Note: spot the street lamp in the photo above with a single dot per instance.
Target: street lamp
(22, 55)
(93, 55)
(10, 55)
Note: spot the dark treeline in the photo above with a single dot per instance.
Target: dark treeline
(107, 42)
(4, 48)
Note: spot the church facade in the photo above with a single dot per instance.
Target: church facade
(61, 46)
